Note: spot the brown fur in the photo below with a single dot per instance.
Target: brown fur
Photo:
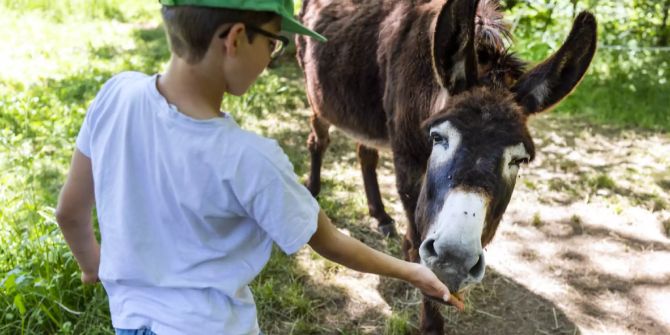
(381, 79)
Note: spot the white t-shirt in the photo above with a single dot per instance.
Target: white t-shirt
(188, 211)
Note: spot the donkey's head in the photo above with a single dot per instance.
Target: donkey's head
(480, 139)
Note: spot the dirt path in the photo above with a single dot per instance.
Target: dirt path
(587, 229)
(582, 249)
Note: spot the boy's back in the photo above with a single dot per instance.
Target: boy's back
(188, 210)
(188, 203)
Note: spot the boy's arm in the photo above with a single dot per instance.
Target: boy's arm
(352, 253)
(74, 216)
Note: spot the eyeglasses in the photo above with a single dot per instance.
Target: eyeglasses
(277, 42)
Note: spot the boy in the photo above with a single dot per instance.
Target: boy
(189, 204)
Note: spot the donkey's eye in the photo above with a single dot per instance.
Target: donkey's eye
(437, 139)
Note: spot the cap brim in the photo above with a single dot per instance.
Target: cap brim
(293, 26)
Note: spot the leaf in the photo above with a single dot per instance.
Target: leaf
(18, 302)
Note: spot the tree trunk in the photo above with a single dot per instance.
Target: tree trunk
(663, 38)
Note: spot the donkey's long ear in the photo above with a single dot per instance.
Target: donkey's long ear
(552, 80)
(454, 58)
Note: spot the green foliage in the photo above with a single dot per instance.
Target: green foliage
(297, 4)
(277, 90)
(42, 103)
(57, 54)
(67, 10)
(398, 324)
(632, 23)
(281, 297)
(627, 82)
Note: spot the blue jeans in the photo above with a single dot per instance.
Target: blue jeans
(141, 331)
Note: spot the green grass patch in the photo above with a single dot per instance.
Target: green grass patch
(57, 54)
(67, 10)
(602, 181)
(281, 297)
(398, 324)
(626, 86)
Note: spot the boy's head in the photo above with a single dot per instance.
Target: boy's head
(191, 29)
(194, 27)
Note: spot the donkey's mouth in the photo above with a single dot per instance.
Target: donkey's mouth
(455, 276)
(455, 299)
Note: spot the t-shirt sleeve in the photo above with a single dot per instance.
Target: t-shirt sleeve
(94, 109)
(84, 137)
(282, 206)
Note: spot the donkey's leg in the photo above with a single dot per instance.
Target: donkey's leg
(408, 181)
(369, 158)
(317, 143)
(432, 322)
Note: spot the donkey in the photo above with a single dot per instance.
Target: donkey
(491, 30)
(409, 76)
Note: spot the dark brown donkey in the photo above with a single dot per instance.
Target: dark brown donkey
(423, 79)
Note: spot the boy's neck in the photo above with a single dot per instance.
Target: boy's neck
(193, 90)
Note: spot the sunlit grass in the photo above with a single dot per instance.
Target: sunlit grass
(68, 10)
(53, 69)
(56, 56)
(624, 86)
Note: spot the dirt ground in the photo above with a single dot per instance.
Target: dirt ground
(583, 247)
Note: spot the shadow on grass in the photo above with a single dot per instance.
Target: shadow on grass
(592, 283)
(150, 52)
(289, 301)
(499, 305)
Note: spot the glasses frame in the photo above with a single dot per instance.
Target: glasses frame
(283, 40)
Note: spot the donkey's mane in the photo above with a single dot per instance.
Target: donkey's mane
(492, 37)
(491, 29)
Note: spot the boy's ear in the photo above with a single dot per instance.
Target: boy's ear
(233, 38)
(552, 80)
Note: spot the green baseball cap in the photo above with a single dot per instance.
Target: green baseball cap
(283, 8)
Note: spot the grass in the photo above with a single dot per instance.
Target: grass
(44, 92)
(55, 57)
(67, 10)
(537, 219)
(629, 87)
(45, 87)
(635, 92)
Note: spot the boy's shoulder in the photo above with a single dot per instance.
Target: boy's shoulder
(129, 75)
(254, 145)
(124, 81)
(256, 152)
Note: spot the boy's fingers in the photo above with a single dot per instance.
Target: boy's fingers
(439, 292)
(455, 301)
(449, 299)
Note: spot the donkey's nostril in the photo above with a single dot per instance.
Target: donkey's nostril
(477, 270)
(429, 247)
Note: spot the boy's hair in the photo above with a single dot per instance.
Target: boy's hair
(190, 29)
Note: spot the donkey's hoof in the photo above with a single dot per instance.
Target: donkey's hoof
(388, 230)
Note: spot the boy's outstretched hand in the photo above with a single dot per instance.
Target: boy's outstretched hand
(332, 244)
(426, 281)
